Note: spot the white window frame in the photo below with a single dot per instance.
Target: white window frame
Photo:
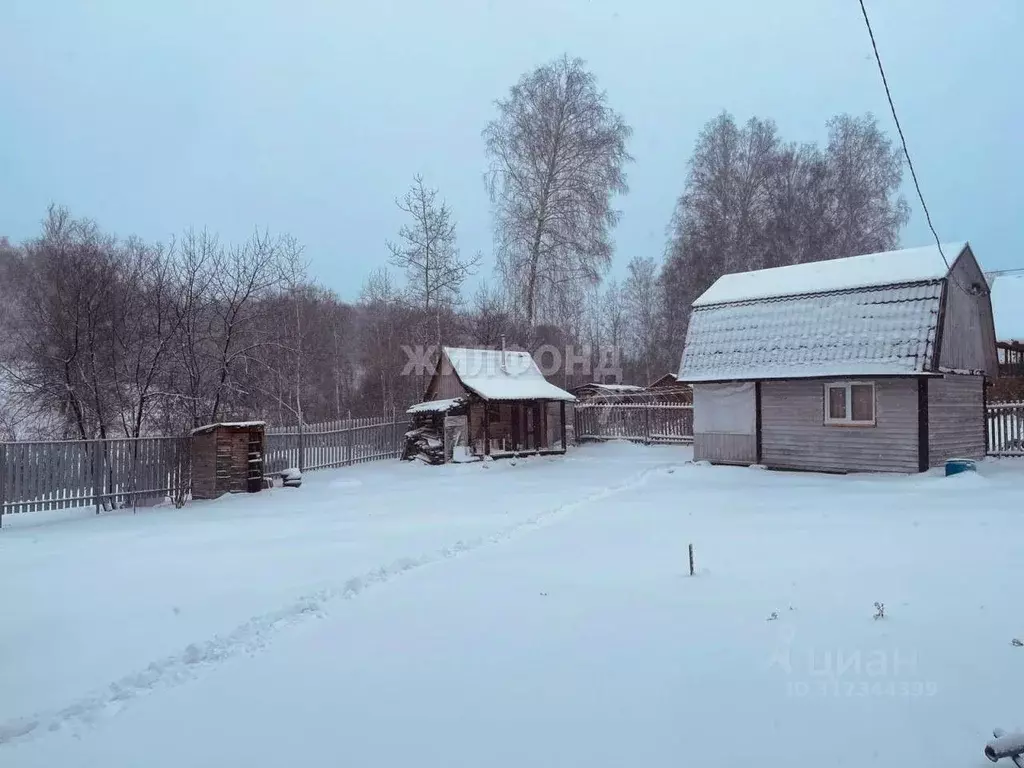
(848, 421)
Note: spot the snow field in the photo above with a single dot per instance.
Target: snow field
(550, 624)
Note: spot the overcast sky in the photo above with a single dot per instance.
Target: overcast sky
(310, 116)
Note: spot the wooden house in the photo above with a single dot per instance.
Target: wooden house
(227, 458)
(871, 363)
(607, 393)
(491, 402)
(1008, 313)
(668, 389)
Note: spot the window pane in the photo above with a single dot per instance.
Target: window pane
(863, 397)
(837, 402)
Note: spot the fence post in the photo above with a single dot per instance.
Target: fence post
(3, 481)
(647, 423)
(302, 447)
(97, 474)
(350, 444)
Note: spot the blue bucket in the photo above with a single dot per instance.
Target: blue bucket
(956, 466)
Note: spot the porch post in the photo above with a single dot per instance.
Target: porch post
(562, 407)
(487, 427)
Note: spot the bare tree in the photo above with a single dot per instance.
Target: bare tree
(644, 321)
(751, 201)
(490, 318)
(242, 277)
(557, 155)
(865, 173)
(428, 253)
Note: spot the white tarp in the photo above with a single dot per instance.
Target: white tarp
(724, 408)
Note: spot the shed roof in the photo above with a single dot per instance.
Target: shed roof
(436, 406)
(494, 374)
(910, 265)
(1008, 307)
(870, 315)
(617, 388)
(229, 425)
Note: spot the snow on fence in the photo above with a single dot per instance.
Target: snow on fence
(1005, 429)
(334, 443)
(642, 422)
(107, 474)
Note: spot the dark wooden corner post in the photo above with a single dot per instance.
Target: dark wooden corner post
(923, 460)
(565, 447)
(487, 427)
(757, 421)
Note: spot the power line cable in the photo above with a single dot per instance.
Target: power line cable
(906, 152)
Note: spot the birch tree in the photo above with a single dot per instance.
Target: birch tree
(640, 291)
(557, 154)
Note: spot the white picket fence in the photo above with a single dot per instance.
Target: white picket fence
(1004, 425)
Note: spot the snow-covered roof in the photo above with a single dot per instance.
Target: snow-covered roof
(668, 378)
(230, 424)
(483, 372)
(1008, 307)
(436, 406)
(611, 387)
(911, 265)
(871, 331)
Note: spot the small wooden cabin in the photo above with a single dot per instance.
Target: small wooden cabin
(493, 402)
(668, 389)
(871, 363)
(227, 458)
(607, 393)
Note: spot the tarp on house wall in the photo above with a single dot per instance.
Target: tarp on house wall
(724, 408)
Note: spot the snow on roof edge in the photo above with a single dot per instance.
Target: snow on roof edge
(235, 424)
(870, 270)
(435, 406)
(516, 377)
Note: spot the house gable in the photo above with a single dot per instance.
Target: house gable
(968, 340)
(444, 383)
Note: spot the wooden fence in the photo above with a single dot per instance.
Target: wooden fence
(640, 422)
(335, 443)
(1004, 426)
(106, 474)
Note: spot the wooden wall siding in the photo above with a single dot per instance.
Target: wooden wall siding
(204, 466)
(956, 419)
(793, 435)
(223, 461)
(722, 448)
(553, 438)
(968, 339)
(444, 384)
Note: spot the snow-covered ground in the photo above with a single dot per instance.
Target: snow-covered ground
(539, 614)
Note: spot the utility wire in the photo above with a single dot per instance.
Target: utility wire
(906, 152)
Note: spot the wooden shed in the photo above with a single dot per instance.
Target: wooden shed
(227, 458)
(493, 402)
(871, 363)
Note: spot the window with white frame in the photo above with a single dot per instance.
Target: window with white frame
(850, 403)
